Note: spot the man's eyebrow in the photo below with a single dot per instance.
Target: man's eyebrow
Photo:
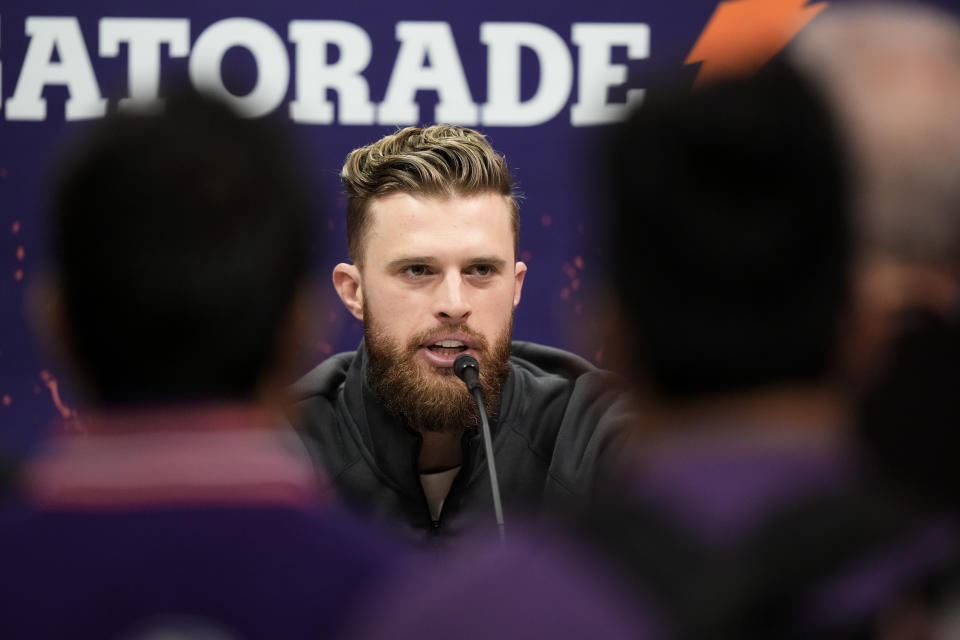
(499, 263)
(406, 261)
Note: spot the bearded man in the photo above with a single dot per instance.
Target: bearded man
(432, 232)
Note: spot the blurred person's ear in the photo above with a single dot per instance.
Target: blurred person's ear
(618, 338)
(292, 336)
(47, 315)
(877, 297)
(884, 290)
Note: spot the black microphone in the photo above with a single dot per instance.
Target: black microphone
(468, 369)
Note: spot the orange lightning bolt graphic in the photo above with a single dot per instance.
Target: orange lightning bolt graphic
(742, 35)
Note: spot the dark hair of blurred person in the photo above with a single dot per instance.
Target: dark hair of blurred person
(730, 246)
(909, 416)
(187, 506)
(745, 514)
(178, 265)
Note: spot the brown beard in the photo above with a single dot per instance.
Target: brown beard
(430, 398)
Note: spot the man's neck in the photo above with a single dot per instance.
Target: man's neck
(440, 451)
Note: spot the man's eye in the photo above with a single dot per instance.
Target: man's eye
(483, 270)
(416, 270)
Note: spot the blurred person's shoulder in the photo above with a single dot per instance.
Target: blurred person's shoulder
(306, 565)
(773, 538)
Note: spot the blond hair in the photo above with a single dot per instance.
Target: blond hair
(438, 161)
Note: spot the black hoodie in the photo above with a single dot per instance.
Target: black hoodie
(559, 430)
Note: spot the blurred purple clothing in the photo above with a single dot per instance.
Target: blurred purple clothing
(536, 585)
(722, 485)
(202, 522)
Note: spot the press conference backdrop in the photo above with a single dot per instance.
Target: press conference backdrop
(543, 79)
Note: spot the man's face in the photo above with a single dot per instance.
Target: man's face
(439, 278)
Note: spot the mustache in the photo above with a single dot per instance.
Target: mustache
(479, 342)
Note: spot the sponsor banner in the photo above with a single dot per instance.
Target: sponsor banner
(543, 80)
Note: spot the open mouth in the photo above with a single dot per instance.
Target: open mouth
(447, 347)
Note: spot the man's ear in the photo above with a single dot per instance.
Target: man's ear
(520, 272)
(346, 280)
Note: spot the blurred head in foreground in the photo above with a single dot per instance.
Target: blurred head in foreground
(729, 238)
(732, 254)
(179, 247)
(892, 71)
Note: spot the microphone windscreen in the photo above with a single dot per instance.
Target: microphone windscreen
(463, 363)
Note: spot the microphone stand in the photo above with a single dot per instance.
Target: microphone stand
(468, 369)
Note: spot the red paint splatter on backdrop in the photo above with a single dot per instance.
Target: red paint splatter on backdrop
(68, 414)
(546, 221)
(18, 274)
(6, 400)
(21, 252)
(578, 262)
(15, 227)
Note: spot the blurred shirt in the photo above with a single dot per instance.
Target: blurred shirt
(748, 532)
(208, 522)
(536, 584)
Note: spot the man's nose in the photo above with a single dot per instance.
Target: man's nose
(452, 304)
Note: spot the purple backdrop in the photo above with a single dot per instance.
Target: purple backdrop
(428, 61)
